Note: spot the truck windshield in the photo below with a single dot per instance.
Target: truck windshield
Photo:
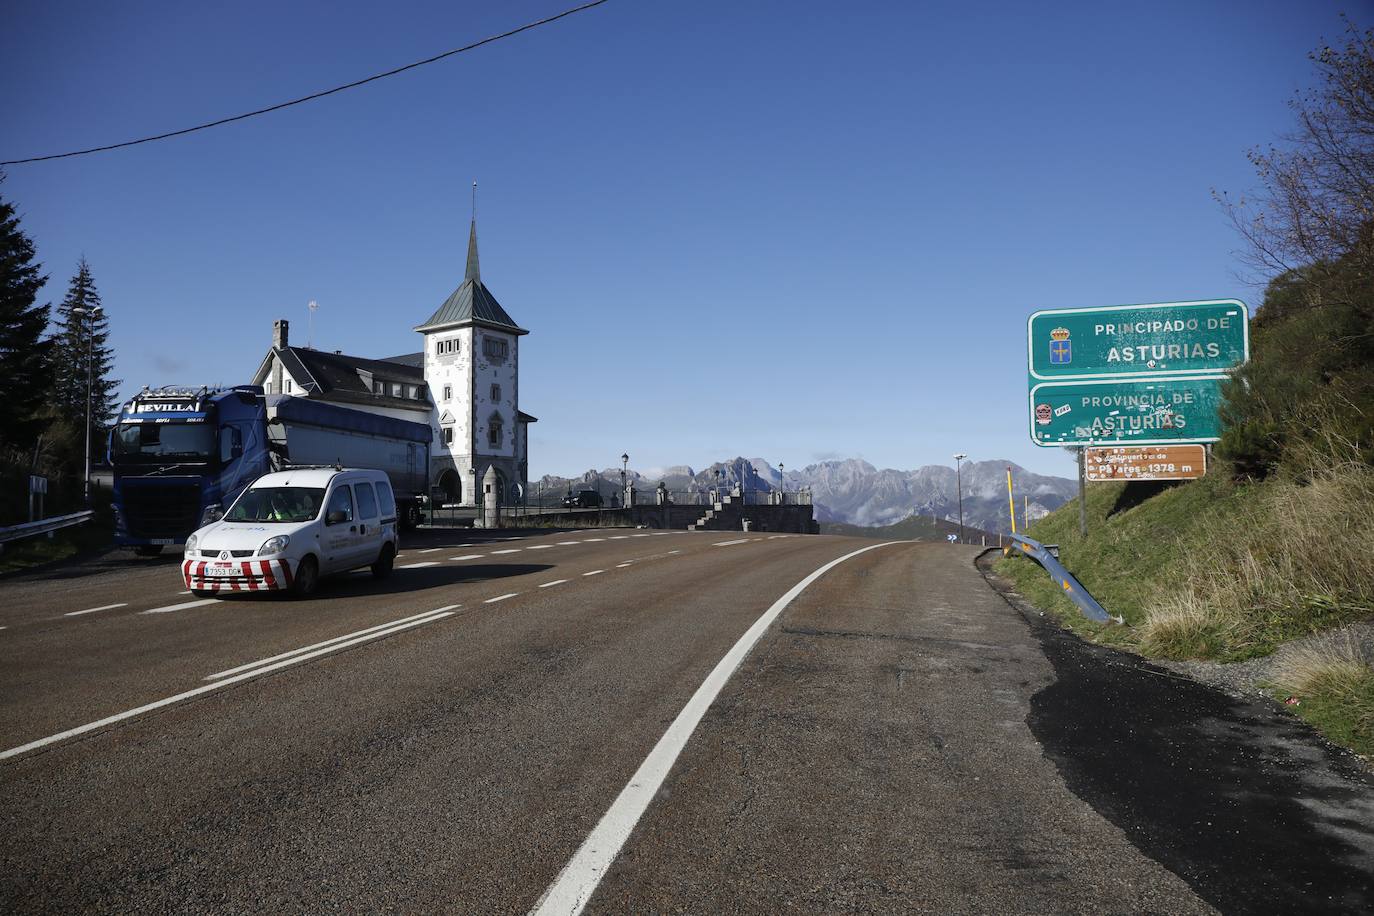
(276, 504)
(150, 443)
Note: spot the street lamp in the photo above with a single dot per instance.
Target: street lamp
(624, 468)
(959, 482)
(782, 485)
(94, 313)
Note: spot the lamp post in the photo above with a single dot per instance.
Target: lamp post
(959, 483)
(93, 312)
(717, 496)
(782, 485)
(624, 469)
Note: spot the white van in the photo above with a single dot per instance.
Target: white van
(291, 527)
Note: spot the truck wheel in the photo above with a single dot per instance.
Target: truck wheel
(382, 568)
(148, 550)
(307, 578)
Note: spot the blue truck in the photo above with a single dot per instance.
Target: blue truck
(182, 455)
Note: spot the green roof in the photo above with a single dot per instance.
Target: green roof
(472, 302)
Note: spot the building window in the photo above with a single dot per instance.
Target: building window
(286, 385)
(448, 392)
(438, 348)
(267, 388)
(444, 347)
(496, 392)
(495, 432)
(448, 435)
(494, 348)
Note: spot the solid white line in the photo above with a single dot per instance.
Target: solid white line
(203, 689)
(419, 565)
(328, 642)
(577, 881)
(470, 556)
(430, 550)
(728, 543)
(92, 610)
(181, 607)
(539, 547)
(512, 550)
(594, 572)
(553, 583)
(500, 598)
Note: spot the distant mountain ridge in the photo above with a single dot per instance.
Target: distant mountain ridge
(854, 492)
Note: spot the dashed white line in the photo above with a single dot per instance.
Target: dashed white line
(539, 547)
(511, 550)
(469, 556)
(203, 689)
(430, 550)
(568, 543)
(621, 565)
(671, 552)
(500, 598)
(594, 572)
(639, 535)
(389, 627)
(728, 543)
(620, 537)
(419, 565)
(180, 607)
(92, 610)
(577, 881)
(593, 540)
(553, 583)
(659, 534)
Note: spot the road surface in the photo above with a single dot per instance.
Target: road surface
(636, 721)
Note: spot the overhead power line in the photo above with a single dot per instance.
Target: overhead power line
(317, 95)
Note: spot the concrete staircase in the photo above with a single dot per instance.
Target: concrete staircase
(726, 515)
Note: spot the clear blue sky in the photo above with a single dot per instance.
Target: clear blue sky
(791, 230)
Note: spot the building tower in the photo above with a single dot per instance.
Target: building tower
(472, 368)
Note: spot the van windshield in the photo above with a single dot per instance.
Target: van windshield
(276, 504)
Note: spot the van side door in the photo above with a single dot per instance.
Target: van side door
(338, 539)
(369, 541)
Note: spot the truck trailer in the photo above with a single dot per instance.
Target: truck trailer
(182, 455)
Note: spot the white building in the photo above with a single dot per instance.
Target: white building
(465, 384)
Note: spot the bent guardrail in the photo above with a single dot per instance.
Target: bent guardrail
(1042, 554)
(43, 526)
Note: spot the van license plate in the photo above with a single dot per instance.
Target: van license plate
(222, 571)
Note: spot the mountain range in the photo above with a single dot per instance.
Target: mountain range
(854, 492)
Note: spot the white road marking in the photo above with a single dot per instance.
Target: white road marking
(671, 552)
(203, 689)
(419, 565)
(621, 565)
(469, 556)
(539, 547)
(639, 535)
(577, 881)
(430, 550)
(594, 572)
(594, 540)
(620, 537)
(511, 550)
(181, 607)
(659, 534)
(728, 543)
(568, 543)
(92, 610)
(187, 592)
(500, 598)
(415, 618)
(553, 583)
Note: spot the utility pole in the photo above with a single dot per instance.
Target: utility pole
(959, 484)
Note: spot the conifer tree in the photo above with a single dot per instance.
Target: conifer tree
(81, 343)
(25, 368)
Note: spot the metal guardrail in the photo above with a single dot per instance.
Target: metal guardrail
(44, 526)
(1046, 556)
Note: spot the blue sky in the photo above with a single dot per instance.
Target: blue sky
(789, 230)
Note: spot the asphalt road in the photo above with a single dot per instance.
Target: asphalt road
(461, 737)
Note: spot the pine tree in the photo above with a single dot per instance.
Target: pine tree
(79, 344)
(25, 367)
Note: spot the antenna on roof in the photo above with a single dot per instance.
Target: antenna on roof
(310, 334)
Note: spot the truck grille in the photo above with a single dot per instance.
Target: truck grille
(162, 511)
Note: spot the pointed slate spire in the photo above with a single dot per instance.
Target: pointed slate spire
(474, 273)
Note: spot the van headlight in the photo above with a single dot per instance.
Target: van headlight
(274, 545)
(191, 543)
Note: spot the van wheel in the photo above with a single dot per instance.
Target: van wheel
(307, 578)
(382, 568)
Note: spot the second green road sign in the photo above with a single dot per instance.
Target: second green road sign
(1159, 411)
(1119, 341)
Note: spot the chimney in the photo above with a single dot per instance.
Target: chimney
(279, 329)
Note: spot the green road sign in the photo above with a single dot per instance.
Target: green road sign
(1121, 341)
(1154, 411)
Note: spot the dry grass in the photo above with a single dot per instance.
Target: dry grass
(1293, 561)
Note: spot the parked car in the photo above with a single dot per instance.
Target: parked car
(289, 528)
(584, 499)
